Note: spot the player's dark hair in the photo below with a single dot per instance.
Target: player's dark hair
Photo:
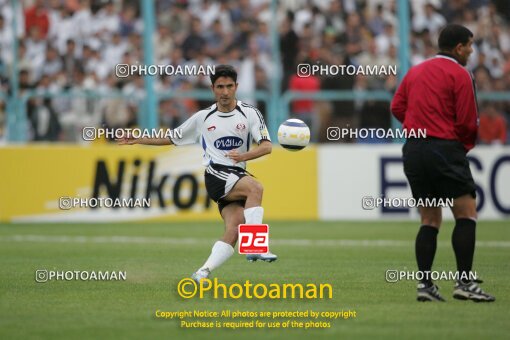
(452, 35)
(223, 71)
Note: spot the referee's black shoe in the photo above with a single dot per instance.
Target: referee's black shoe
(428, 292)
(471, 291)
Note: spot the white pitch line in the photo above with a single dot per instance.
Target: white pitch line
(199, 241)
(101, 239)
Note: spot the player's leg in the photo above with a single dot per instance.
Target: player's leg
(223, 249)
(415, 154)
(249, 189)
(464, 233)
(426, 240)
(233, 215)
(456, 181)
(425, 250)
(463, 243)
(217, 184)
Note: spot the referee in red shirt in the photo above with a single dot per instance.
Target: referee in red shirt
(439, 95)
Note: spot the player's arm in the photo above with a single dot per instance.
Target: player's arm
(399, 102)
(130, 140)
(260, 134)
(265, 147)
(188, 134)
(466, 123)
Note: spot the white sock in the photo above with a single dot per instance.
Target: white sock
(220, 253)
(253, 215)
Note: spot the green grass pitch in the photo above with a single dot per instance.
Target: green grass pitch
(347, 255)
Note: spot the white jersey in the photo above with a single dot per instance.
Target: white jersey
(219, 132)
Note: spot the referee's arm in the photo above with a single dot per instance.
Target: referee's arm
(466, 112)
(399, 101)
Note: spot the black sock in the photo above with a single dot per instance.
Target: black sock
(463, 242)
(425, 247)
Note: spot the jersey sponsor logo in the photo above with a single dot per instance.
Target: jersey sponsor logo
(240, 126)
(228, 143)
(211, 128)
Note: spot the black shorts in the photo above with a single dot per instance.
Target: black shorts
(437, 168)
(220, 179)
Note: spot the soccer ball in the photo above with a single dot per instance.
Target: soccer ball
(293, 134)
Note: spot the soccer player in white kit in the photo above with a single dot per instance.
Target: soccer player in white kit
(225, 131)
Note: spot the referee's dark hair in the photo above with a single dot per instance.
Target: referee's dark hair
(223, 71)
(452, 35)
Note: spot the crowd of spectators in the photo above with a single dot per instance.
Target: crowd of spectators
(72, 46)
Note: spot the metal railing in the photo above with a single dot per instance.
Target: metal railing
(17, 120)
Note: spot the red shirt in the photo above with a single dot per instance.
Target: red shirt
(308, 84)
(492, 129)
(37, 17)
(438, 95)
